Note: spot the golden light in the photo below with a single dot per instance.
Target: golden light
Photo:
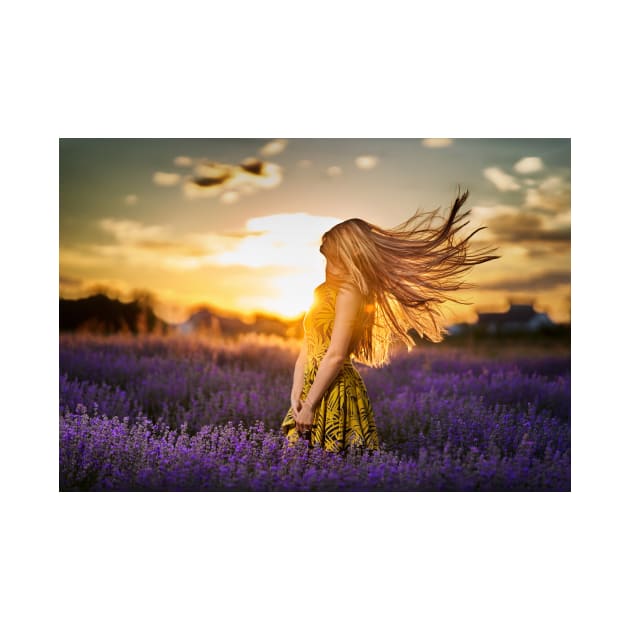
(293, 295)
(287, 244)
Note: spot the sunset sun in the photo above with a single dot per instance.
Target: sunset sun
(284, 249)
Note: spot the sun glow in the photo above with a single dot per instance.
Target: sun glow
(294, 294)
(288, 245)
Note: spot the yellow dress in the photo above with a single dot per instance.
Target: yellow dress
(344, 415)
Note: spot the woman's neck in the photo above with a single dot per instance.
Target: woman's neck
(333, 279)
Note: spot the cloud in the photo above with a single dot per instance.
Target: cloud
(154, 246)
(526, 241)
(542, 281)
(181, 248)
(274, 147)
(527, 226)
(244, 233)
(528, 165)
(183, 160)
(82, 287)
(513, 250)
(552, 194)
(282, 240)
(437, 143)
(366, 162)
(81, 257)
(334, 171)
(69, 281)
(214, 179)
(288, 246)
(513, 225)
(128, 231)
(305, 163)
(546, 249)
(131, 200)
(230, 196)
(272, 263)
(166, 179)
(502, 180)
(482, 213)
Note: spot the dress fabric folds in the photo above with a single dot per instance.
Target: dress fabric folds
(344, 415)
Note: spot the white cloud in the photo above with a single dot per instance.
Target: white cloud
(230, 196)
(274, 147)
(502, 180)
(553, 194)
(513, 250)
(127, 231)
(485, 212)
(366, 162)
(166, 179)
(437, 143)
(183, 160)
(305, 163)
(528, 165)
(334, 171)
(131, 200)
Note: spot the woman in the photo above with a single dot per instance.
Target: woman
(380, 284)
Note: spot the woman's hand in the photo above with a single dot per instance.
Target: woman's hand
(304, 419)
(296, 404)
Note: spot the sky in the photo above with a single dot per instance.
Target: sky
(236, 224)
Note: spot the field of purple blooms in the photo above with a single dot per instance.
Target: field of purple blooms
(181, 413)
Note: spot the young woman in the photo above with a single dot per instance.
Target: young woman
(380, 284)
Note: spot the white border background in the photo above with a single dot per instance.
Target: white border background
(333, 560)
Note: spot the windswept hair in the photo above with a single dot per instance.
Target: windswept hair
(404, 274)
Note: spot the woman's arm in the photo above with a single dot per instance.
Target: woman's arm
(346, 312)
(298, 372)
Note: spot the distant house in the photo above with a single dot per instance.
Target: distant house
(519, 318)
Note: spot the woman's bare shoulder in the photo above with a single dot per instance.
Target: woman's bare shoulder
(351, 290)
(344, 285)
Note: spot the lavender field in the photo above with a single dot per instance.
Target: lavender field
(189, 414)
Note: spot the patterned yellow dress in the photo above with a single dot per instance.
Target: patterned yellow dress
(344, 415)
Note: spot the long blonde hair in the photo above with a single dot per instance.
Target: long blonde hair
(403, 274)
